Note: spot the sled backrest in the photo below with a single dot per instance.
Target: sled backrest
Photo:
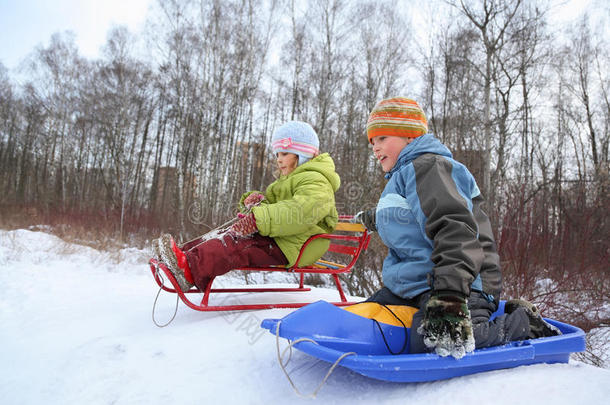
(347, 242)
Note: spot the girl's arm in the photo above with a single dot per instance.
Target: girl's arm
(312, 201)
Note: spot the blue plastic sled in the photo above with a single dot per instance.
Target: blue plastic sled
(337, 332)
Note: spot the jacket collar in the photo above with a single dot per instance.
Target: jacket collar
(426, 143)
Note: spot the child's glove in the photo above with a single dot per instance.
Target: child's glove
(366, 218)
(245, 226)
(447, 327)
(253, 200)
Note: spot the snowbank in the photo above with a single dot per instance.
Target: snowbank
(75, 328)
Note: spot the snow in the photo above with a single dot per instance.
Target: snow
(76, 327)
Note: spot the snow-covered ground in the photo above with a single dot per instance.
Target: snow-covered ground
(76, 328)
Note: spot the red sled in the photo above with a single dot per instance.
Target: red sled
(348, 239)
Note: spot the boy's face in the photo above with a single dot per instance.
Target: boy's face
(287, 162)
(387, 149)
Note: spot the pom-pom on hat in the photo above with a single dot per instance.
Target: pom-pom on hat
(397, 116)
(296, 137)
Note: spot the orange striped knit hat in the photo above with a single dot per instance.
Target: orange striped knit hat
(397, 116)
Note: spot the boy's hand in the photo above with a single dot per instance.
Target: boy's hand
(253, 200)
(447, 327)
(245, 226)
(366, 218)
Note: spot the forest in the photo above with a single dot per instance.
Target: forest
(169, 126)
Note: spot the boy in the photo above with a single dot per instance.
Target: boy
(442, 256)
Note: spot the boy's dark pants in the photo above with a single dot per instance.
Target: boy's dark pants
(220, 255)
(503, 329)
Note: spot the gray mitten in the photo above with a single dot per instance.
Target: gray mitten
(367, 218)
(446, 326)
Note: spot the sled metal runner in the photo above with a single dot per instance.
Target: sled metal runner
(348, 239)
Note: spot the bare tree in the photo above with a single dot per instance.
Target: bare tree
(592, 94)
(491, 18)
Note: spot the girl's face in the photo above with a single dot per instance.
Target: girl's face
(387, 149)
(287, 162)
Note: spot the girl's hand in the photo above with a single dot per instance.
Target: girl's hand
(245, 226)
(253, 200)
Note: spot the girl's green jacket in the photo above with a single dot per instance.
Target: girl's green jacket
(298, 206)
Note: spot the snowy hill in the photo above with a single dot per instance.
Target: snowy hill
(76, 328)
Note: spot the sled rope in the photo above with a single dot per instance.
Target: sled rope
(284, 364)
(404, 345)
(158, 274)
(218, 228)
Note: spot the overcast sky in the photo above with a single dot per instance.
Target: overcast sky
(24, 24)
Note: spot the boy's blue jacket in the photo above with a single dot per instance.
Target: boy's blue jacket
(430, 217)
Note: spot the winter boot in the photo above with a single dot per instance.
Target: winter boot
(175, 260)
(156, 254)
(538, 326)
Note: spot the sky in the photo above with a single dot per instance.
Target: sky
(25, 24)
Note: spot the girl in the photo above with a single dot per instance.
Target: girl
(273, 226)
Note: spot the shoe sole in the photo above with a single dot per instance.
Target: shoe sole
(169, 258)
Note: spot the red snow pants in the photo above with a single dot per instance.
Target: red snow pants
(214, 257)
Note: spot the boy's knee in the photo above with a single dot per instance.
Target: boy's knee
(480, 307)
(517, 326)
